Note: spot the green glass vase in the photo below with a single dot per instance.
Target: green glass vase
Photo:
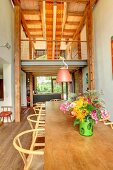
(86, 128)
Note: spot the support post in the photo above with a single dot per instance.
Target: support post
(66, 90)
(80, 81)
(89, 32)
(17, 58)
(31, 90)
(30, 50)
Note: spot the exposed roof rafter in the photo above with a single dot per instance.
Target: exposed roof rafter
(83, 20)
(54, 28)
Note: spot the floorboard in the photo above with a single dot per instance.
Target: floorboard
(9, 157)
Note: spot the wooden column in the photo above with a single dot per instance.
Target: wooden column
(30, 50)
(17, 59)
(80, 80)
(66, 91)
(31, 90)
(89, 29)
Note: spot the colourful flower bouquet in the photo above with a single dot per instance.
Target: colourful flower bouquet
(87, 109)
(90, 107)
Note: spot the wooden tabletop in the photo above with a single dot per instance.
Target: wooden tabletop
(66, 149)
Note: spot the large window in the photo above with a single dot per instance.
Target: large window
(48, 85)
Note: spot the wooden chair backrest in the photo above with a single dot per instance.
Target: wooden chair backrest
(24, 153)
(37, 120)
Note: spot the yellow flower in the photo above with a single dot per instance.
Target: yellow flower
(85, 103)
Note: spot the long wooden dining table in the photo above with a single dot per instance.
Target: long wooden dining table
(66, 149)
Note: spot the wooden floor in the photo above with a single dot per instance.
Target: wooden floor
(11, 160)
(9, 157)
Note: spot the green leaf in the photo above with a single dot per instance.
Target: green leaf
(90, 108)
(76, 122)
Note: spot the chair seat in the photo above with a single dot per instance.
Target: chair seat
(5, 113)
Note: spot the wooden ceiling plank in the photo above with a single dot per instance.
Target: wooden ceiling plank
(25, 25)
(30, 12)
(76, 13)
(69, 30)
(37, 36)
(34, 29)
(33, 22)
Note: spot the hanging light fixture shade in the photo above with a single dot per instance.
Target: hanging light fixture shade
(63, 75)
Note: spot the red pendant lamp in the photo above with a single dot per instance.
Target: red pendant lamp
(64, 74)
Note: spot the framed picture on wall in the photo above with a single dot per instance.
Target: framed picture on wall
(112, 54)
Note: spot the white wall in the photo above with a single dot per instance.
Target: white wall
(23, 89)
(103, 30)
(7, 55)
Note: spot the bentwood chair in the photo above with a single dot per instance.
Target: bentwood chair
(33, 157)
(37, 120)
(38, 106)
(107, 122)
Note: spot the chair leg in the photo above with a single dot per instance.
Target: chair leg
(7, 118)
(3, 119)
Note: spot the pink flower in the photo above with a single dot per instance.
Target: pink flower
(65, 106)
(89, 100)
(94, 116)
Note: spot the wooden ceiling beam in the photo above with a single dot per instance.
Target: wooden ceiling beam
(81, 24)
(43, 16)
(23, 22)
(59, 1)
(30, 12)
(33, 22)
(54, 28)
(44, 19)
(64, 17)
(24, 25)
(83, 19)
(76, 13)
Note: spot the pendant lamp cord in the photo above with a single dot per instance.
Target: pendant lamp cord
(65, 63)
